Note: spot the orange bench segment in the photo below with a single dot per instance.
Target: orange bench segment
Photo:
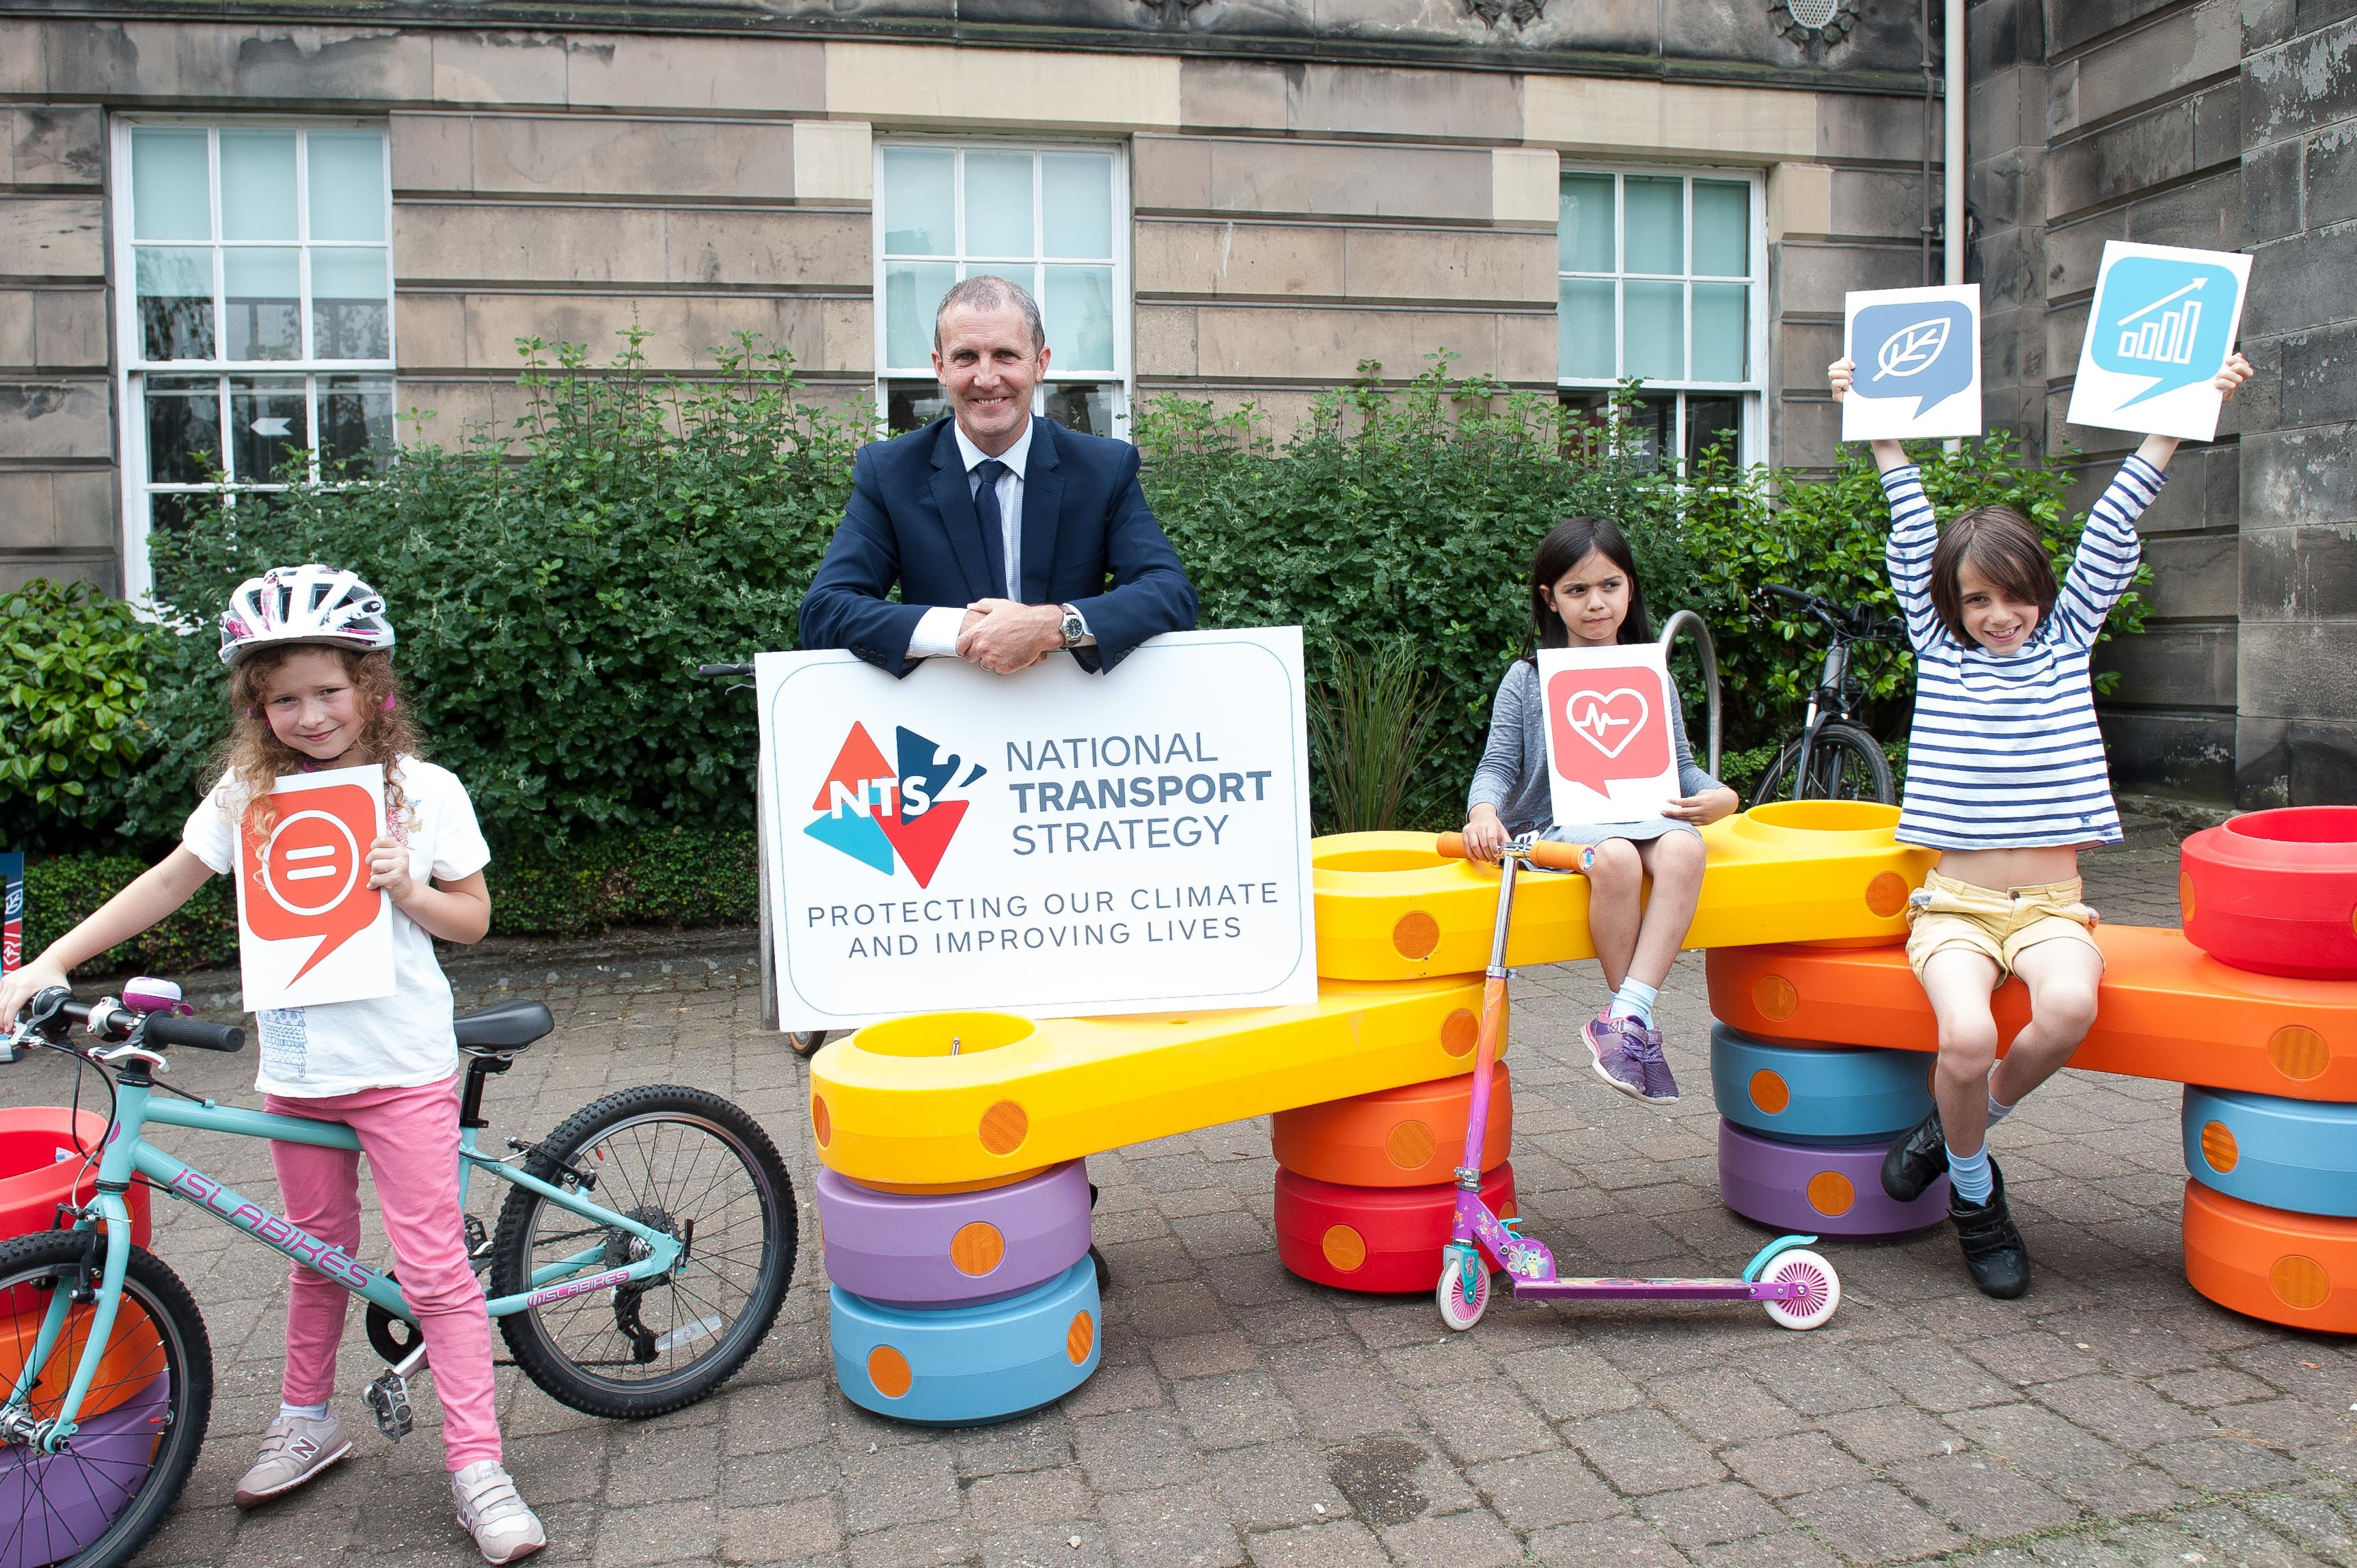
(2167, 1011)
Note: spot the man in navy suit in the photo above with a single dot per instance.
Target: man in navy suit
(1001, 529)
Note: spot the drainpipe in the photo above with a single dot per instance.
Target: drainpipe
(1955, 214)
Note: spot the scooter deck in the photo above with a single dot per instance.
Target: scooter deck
(1609, 1288)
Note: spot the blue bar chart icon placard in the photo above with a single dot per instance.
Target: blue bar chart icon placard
(2159, 330)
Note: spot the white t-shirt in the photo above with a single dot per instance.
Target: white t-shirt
(397, 1041)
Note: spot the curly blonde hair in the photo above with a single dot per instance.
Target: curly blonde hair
(255, 759)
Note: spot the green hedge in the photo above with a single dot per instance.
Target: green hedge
(662, 877)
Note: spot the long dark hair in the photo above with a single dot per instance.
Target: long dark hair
(1568, 543)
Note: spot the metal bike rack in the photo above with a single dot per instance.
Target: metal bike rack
(1687, 621)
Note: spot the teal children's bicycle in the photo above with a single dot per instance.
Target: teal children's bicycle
(642, 1254)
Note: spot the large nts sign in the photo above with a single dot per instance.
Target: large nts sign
(1048, 843)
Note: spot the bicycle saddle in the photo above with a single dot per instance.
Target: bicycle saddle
(509, 1027)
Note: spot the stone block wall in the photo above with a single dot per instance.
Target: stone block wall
(2212, 124)
(57, 433)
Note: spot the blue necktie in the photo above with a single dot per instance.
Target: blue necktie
(994, 529)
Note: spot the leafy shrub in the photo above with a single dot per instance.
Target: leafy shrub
(63, 891)
(1367, 730)
(71, 683)
(552, 606)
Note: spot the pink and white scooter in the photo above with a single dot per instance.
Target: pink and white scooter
(1799, 1288)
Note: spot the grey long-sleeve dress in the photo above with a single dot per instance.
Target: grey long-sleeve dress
(1513, 775)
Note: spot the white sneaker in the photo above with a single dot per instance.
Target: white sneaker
(504, 1527)
(294, 1449)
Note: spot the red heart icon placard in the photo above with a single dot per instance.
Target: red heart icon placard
(1604, 728)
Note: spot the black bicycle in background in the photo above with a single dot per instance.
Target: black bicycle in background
(1835, 756)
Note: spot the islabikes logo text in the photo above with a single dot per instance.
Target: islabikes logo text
(292, 1240)
(887, 816)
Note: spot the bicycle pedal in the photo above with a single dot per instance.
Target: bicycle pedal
(388, 1397)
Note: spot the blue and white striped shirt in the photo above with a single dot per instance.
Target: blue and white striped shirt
(2004, 753)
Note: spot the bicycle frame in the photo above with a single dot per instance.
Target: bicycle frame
(128, 1154)
(1830, 700)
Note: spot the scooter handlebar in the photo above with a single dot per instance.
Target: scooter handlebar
(1545, 854)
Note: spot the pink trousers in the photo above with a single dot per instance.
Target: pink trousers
(410, 1138)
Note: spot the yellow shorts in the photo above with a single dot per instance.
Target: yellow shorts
(1945, 913)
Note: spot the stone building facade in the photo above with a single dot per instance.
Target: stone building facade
(1245, 199)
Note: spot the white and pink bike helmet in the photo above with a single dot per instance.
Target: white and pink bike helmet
(311, 605)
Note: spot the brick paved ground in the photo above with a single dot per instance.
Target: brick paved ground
(1242, 1416)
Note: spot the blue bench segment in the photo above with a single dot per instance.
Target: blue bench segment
(1818, 1094)
(2294, 1155)
(966, 1366)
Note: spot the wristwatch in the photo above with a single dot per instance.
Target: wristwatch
(1075, 627)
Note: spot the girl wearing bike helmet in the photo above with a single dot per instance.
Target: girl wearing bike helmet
(2007, 778)
(1584, 593)
(311, 687)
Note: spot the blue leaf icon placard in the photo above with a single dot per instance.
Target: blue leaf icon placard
(1918, 365)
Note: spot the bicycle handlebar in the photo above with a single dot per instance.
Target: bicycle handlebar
(1794, 594)
(723, 672)
(1544, 854)
(164, 1030)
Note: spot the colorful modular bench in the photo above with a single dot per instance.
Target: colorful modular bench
(954, 1205)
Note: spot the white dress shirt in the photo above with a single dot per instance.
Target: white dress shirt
(936, 632)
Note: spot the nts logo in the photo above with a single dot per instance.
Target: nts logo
(873, 811)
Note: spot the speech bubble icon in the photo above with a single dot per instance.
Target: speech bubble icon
(2162, 317)
(1608, 724)
(1921, 349)
(308, 876)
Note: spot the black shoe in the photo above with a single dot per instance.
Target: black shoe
(1917, 1160)
(1104, 1270)
(1994, 1249)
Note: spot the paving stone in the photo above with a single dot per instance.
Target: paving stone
(1274, 1486)
(1235, 1409)
(1177, 1525)
(1539, 1491)
(1873, 1523)
(1787, 1467)
(1643, 1451)
(1706, 1515)
(1982, 1495)
(1349, 1544)
(1614, 1543)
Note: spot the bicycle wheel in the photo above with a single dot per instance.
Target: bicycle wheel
(1844, 764)
(683, 1162)
(139, 1427)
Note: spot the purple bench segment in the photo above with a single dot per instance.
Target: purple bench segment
(896, 1247)
(1828, 1189)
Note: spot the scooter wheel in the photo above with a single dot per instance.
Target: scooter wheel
(1465, 1267)
(1822, 1284)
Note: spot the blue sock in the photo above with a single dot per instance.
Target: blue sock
(1635, 999)
(1970, 1174)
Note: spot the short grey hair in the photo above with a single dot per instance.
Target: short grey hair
(988, 290)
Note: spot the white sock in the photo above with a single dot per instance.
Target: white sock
(1997, 1109)
(308, 1411)
(1635, 1000)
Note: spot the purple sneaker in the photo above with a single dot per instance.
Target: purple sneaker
(1616, 1045)
(1661, 1085)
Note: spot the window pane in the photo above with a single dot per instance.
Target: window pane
(347, 178)
(349, 320)
(918, 209)
(257, 171)
(183, 428)
(1656, 229)
(355, 424)
(913, 406)
(1584, 331)
(1649, 426)
(176, 303)
(912, 292)
(1712, 422)
(999, 204)
(1722, 223)
(266, 422)
(261, 318)
(174, 510)
(1583, 228)
(1080, 317)
(1084, 406)
(1722, 331)
(171, 194)
(1077, 195)
(1654, 331)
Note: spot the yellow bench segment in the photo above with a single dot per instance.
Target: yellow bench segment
(1390, 908)
(892, 1105)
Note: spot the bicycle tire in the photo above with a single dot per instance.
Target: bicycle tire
(183, 1357)
(1842, 757)
(531, 1335)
